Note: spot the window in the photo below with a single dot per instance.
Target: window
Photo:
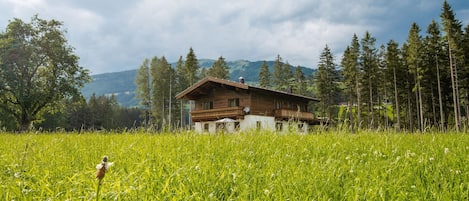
(233, 102)
(279, 126)
(220, 127)
(208, 105)
(206, 127)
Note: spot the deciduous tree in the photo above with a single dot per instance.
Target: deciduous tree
(38, 69)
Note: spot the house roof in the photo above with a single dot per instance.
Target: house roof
(201, 87)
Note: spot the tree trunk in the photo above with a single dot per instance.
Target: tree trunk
(397, 101)
(440, 99)
(357, 84)
(26, 123)
(386, 118)
(455, 90)
(433, 105)
(420, 105)
(409, 108)
(467, 108)
(370, 105)
(351, 109)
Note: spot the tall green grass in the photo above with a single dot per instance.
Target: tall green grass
(245, 166)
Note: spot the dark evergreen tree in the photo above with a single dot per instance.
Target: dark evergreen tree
(264, 75)
(191, 67)
(219, 69)
(327, 83)
(395, 72)
(288, 78)
(414, 61)
(278, 74)
(369, 67)
(453, 34)
(143, 91)
(300, 82)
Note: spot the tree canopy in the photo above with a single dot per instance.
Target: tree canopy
(38, 69)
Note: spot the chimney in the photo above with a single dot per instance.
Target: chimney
(241, 80)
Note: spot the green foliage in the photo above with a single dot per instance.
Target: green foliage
(191, 67)
(38, 69)
(278, 78)
(219, 69)
(246, 166)
(327, 83)
(264, 75)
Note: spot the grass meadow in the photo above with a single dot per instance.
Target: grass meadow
(244, 166)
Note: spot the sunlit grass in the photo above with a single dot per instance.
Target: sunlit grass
(245, 166)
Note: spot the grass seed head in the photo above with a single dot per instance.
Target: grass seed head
(102, 168)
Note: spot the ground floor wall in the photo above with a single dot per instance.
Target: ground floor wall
(251, 122)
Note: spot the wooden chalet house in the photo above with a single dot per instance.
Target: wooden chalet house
(223, 105)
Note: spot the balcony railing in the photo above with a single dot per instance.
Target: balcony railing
(286, 114)
(216, 114)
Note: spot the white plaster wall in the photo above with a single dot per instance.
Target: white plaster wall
(199, 127)
(250, 122)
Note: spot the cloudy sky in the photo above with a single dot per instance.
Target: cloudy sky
(116, 35)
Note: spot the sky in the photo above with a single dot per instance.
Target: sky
(117, 35)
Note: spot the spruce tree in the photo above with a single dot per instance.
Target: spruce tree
(300, 81)
(394, 65)
(181, 83)
(369, 67)
(219, 69)
(191, 67)
(433, 57)
(327, 82)
(264, 75)
(414, 60)
(288, 77)
(143, 92)
(453, 34)
(278, 74)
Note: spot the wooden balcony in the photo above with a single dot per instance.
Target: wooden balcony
(216, 114)
(286, 114)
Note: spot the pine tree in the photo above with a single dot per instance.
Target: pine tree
(414, 61)
(453, 30)
(288, 77)
(394, 64)
(369, 67)
(433, 51)
(191, 67)
(465, 71)
(219, 69)
(356, 74)
(348, 75)
(143, 91)
(156, 99)
(300, 81)
(181, 84)
(327, 82)
(264, 75)
(278, 74)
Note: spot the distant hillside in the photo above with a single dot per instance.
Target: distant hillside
(122, 85)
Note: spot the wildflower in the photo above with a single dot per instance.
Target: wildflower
(102, 168)
(446, 150)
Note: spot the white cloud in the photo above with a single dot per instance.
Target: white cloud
(118, 35)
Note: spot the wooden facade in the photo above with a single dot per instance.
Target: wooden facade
(215, 99)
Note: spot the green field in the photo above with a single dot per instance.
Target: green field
(245, 166)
